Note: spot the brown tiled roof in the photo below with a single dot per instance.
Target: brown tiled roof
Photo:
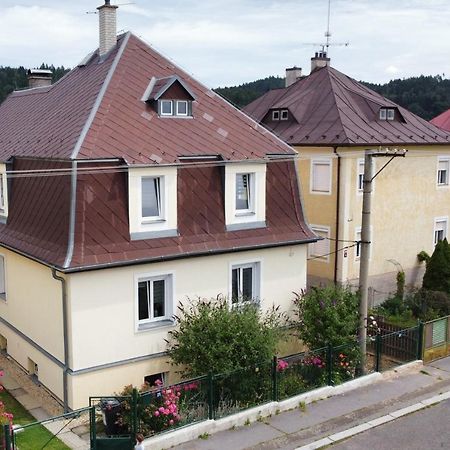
(96, 111)
(330, 108)
(442, 120)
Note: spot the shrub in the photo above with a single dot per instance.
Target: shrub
(437, 273)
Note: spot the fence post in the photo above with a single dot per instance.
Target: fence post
(93, 426)
(274, 379)
(134, 418)
(420, 342)
(210, 396)
(329, 364)
(378, 342)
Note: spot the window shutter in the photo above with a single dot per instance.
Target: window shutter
(321, 176)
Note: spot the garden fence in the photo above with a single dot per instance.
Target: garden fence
(115, 420)
(437, 339)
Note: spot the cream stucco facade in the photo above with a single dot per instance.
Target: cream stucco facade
(407, 201)
(107, 350)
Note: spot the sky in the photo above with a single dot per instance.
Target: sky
(226, 43)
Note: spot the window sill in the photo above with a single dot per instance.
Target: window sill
(156, 220)
(244, 213)
(155, 325)
(245, 226)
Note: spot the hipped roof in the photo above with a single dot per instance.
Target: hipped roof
(442, 120)
(330, 108)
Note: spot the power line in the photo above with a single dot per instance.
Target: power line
(331, 253)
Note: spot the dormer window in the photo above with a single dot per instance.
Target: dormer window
(280, 114)
(152, 198)
(175, 108)
(3, 194)
(182, 108)
(284, 114)
(275, 115)
(387, 114)
(244, 194)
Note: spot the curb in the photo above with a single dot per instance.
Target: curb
(333, 438)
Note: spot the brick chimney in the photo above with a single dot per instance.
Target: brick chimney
(39, 78)
(107, 27)
(319, 60)
(292, 75)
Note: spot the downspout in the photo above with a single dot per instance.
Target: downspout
(65, 338)
(338, 194)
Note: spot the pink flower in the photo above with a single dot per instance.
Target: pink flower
(161, 409)
(156, 413)
(171, 422)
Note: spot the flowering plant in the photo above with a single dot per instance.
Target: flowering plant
(282, 365)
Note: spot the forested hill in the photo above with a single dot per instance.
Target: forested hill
(426, 96)
(12, 78)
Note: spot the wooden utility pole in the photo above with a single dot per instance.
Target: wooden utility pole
(365, 242)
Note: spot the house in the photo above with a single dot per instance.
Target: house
(127, 187)
(331, 120)
(442, 120)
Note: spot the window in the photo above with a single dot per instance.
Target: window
(154, 294)
(390, 114)
(360, 175)
(2, 195)
(358, 243)
(442, 171)
(244, 192)
(387, 114)
(284, 114)
(182, 108)
(244, 283)
(320, 250)
(321, 176)
(152, 198)
(155, 380)
(440, 229)
(166, 107)
(275, 115)
(2, 278)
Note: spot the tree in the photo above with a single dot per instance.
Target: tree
(327, 315)
(437, 273)
(211, 336)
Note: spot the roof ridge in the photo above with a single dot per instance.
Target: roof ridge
(100, 96)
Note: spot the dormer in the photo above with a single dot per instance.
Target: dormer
(276, 115)
(170, 97)
(390, 114)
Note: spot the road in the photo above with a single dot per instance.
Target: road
(428, 429)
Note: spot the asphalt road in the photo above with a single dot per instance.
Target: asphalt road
(428, 429)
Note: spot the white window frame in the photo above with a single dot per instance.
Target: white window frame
(446, 161)
(187, 108)
(169, 304)
(161, 112)
(256, 282)
(160, 200)
(314, 251)
(358, 245)
(390, 114)
(321, 161)
(359, 175)
(251, 194)
(2, 277)
(3, 192)
(444, 228)
(275, 115)
(284, 115)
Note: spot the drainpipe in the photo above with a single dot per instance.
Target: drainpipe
(65, 338)
(338, 194)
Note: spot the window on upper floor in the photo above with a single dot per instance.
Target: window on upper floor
(245, 282)
(2, 278)
(175, 108)
(360, 175)
(152, 199)
(387, 114)
(3, 193)
(320, 250)
(440, 229)
(358, 243)
(284, 114)
(154, 300)
(276, 115)
(443, 170)
(321, 176)
(245, 193)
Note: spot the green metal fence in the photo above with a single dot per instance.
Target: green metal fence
(436, 339)
(165, 408)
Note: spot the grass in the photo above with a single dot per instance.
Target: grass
(32, 438)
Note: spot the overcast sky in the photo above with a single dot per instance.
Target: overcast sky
(228, 42)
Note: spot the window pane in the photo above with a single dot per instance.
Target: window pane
(2, 197)
(182, 108)
(247, 283)
(150, 197)
(242, 191)
(234, 285)
(159, 309)
(321, 176)
(166, 107)
(143, 300)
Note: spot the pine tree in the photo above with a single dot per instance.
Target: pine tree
(437, 273)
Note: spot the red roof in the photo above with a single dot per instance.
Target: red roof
(96, 111)
(442, 120)
(330, 108)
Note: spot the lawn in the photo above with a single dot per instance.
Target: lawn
(35, 437)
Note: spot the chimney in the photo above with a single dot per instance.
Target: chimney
(39, 78)
(319, 60)
(293, 74)
(107, 27)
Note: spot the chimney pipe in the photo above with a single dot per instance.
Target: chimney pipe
(107, 28)
(319, 60)
(39, 78)
(293, 74)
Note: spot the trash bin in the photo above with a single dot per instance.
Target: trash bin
(111, 409)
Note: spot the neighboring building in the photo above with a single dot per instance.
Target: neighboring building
(442, 120)
(127, 187)
(331, 119)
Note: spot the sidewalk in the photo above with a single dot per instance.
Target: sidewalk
(303, 427)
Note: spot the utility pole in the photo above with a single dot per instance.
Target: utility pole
(365, 242)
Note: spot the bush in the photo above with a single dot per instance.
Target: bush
(327, 315)
(428, 305)
(437, 273)
(212, 337)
